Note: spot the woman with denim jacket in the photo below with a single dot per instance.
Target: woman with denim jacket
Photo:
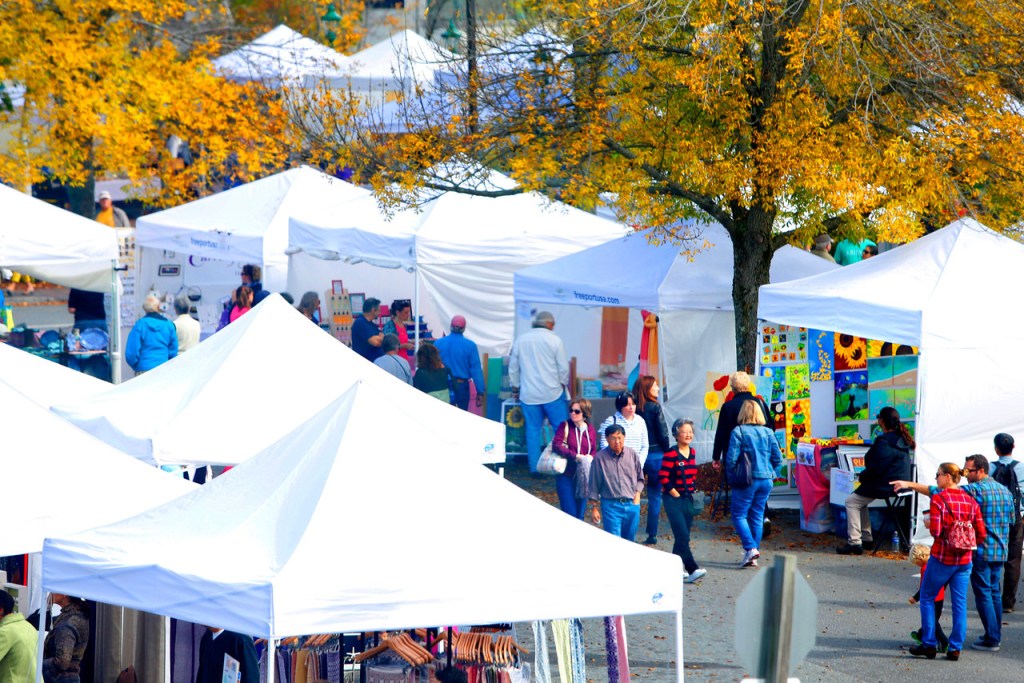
(748, 504)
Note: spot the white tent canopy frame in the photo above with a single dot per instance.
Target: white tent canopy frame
(253, 552)
(280, 57)
(690, 289)
(942, 294)
(465, 248)
(284, 368)
(248, 223)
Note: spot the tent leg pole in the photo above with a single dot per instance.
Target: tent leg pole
(271, 658)
(114, 340)
(42, 625)
(416, 309)
(679, 645)
(168, 664)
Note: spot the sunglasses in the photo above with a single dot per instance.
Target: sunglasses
(969, 469)
(576, 411)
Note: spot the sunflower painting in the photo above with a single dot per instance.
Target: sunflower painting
(851, 352)
(515, 428)
(884, 349)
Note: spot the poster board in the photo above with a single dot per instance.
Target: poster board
(339, 315)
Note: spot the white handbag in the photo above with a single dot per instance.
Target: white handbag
(550, 462)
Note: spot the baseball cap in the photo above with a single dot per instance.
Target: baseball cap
(458, 321)
(104, 195)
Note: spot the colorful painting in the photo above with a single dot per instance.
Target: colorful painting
(820, 352)
(798, 424)
(884, 349)
(905, 402)
(782, 475)
(778, 409)
(851, 396)
(851, 352)
(716, 392)
(762, 387)
(878, 399)
(798, 382)
(777, 373)
(850, 431)
(782, 344)
(904, 371)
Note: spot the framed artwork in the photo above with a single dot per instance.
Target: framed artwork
(337, 287)
(850, 431)
(851, 352)
(851, 396)
(357, 299)
(798, 382)
(820, 354)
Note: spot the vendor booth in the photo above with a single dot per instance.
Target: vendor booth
(51, 244)
(280, 57)
(44, 382)
(398, 65)
(271, 369)
(947, 359)
(690, 290)
(463, 249)
(258, 550)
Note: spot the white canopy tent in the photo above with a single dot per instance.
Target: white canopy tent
(246, 224)
(43, 381)
(398, 64)
(690, 288)
(282, 368)
(280, 57)
(464, 248)
(49, 243)
(942, 294)
(255, 550)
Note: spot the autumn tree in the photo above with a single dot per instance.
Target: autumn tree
(106, 82)
(762, 115)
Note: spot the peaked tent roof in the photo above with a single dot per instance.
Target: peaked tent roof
(280, 57)
(47, 242)
(670, 279)
(248, 223)
(283, 368)
(400, 62)
(42, 453)
(905, 295)
(255, 550)
(43, 381)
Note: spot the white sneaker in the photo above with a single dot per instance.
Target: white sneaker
(748, 559)
(696, 576)
(756, 554)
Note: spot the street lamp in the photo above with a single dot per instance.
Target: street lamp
(452, 36)
(331, 19)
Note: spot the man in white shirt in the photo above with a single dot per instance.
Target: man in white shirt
(538, 370)
(185, 325)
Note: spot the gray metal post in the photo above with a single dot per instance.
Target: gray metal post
(778, 626)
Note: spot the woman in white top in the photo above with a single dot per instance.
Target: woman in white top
(636, 429)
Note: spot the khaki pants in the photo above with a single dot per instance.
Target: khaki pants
(858, 520)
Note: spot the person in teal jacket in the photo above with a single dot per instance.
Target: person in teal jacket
(153, 340)
(17, 644)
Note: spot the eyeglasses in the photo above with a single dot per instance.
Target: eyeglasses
(969, 469)
(576, 411)
(940, 474)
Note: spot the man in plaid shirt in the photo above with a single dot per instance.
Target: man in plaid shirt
(997, 511)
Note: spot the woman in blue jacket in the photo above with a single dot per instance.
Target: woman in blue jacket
(153, 340)
(752, 436)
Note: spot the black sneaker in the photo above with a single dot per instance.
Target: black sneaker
(924, 651)
(651, 540)
(850, 549)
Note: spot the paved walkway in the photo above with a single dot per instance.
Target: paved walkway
(864, 619)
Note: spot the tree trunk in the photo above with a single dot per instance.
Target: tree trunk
(82, 199)
(752, 258)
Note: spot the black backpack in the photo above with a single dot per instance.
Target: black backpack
(1006, 474)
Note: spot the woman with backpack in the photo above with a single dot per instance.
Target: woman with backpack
(956, 525)
(755, 449)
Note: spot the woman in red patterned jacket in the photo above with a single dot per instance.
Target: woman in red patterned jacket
(956, 524)
(678, 483)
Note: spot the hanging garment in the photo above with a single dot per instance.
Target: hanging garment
(540, 653)
(563, 647)
(579, 655)
(615, 643)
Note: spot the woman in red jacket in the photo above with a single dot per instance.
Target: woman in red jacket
(574, 439)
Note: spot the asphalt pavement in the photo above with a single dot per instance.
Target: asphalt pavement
(863, 623)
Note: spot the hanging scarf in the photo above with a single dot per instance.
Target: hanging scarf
(615, 644)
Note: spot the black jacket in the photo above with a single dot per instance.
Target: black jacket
(728, 417)
(887, 460)
(657, 432)
(211, 657)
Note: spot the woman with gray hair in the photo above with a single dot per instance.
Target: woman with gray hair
(153, 340)
(678, 479)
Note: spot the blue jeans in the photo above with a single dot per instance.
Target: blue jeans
(680, 515)
(747, 508)
(567, 500)
(937, 575)
(987, 582)
(652, 468)
(620, 519)
(460, 387)
(556, 411)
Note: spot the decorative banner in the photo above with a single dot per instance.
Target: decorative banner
(716, 392)
(820, 352)
(851, 396)
(851, 352)
(798, 424)
(777, 373)
(783, 344)
(798, 382)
